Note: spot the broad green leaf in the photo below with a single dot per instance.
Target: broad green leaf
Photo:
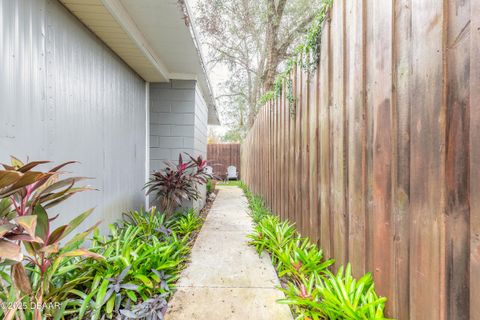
(132, 296)
(43, 226)
(6, 209)
(100, 297)
(76, 222)
(60, 312)
(85, 304)
(80, 237)
(146, 281)
(110, 304)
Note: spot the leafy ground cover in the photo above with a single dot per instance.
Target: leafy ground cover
(53, 273)
(311, 289)
(141, 260)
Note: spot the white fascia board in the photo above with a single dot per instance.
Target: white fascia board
(183, 76)
(117, 10)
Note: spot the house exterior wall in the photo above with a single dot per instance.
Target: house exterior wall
(172, 121)
(66, 96)
(200, 137)
(178, 123)
(201, 123)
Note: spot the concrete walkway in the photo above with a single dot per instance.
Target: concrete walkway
(226, 278)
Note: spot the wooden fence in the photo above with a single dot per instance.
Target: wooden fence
(378, 157)
(220, 156)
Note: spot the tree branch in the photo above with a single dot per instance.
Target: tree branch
(294, 33)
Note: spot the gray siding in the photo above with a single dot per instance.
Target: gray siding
(66, 96)
(201, 123)
(178, 123)
(172, 121)
(200, 142)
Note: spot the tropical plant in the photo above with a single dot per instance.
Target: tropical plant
(337, 296)
(272, 234)
(25, 197)
(300, 258)
(257, 209)
(187, 223)
(210, 186)
(151, 222)
(177, 183)
(143, 256)
(151, 309)
(311, 290)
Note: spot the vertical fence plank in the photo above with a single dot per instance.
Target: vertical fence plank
(277, 155)
(324, 120)
(305, 154)
(282, 140)
(313, 161)
(457, 154)
(355, 104)
(338, 181)
(427, 163)
(402, 54)
(291, 168)
(381, 104)
(298, 147)
(474, 276)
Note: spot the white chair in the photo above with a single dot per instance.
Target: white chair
(232, 173)
(208, 170)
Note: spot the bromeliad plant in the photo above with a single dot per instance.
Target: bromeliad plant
(176, 183)
(187, 222)
(25, 196)
(142, 259)
(339, 296)
(311, 290)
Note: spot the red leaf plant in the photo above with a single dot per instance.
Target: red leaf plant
(26, 195)
(177, 183)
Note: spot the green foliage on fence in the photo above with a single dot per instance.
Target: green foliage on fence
(306, 55)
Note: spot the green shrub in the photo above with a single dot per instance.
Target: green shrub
(209, 186)
(312, 291)
(144, 255)
(31, 252)
(142, 259)
(187, 222)
(337, 296)
(177, 182)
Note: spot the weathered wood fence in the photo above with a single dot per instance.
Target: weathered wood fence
(378, 157)
(220, 156)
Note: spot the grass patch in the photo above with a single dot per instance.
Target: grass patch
(230, 183)
(311, 289)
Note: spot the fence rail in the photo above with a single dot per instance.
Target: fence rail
(378, 157)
